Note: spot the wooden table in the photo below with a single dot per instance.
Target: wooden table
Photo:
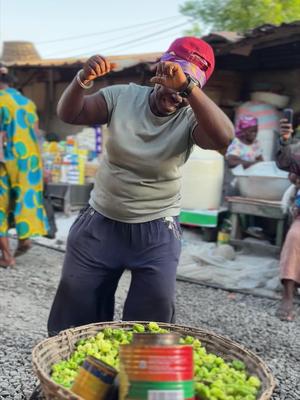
(261, 208)
(69, 197)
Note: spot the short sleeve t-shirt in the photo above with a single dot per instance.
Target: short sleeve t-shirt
(139, 176)
(244, 151)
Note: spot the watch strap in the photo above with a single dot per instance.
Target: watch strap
(190, 86)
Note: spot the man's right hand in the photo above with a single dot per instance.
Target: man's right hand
(95, 67)
(286, 129)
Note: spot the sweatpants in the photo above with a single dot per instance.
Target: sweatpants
(98, 251)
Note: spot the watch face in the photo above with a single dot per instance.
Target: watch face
(194, 80)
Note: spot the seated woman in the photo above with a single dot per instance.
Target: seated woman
(245, 148)
(288, 158)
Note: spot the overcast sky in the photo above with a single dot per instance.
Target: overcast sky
(65, 28)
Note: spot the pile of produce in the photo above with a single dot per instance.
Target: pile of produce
(215, 379)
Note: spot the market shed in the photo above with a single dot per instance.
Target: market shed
(43, 80)
(265, 58)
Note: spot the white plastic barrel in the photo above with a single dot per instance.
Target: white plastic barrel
(202, 180)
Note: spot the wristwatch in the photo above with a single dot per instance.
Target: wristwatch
(192, 82)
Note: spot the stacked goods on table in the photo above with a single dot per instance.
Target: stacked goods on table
(222, 369)
(70, 161)
(64, 162)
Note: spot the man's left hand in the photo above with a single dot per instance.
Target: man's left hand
(171, 75)
(286, 129)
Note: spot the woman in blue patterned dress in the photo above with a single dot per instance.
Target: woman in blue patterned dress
(21, 177)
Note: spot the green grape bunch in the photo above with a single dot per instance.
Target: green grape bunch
(215, 378)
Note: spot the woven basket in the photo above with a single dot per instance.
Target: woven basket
(59, 347)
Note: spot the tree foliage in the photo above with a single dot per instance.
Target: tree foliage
(239, 15)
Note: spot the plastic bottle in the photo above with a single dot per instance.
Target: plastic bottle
(224, 232)
(98, 140)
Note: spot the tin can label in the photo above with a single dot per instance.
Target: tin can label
(156, 373)
(94, 379)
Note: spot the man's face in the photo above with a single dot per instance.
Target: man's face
(295, 179)
(167, 101)
(249, 134)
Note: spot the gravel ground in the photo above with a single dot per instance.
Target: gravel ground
(26, 293)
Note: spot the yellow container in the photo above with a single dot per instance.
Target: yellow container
(223, 237)
(94, 380)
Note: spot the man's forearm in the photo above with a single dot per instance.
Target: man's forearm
(212, 120)
(288, 157)
(71, 102)
(234, 161)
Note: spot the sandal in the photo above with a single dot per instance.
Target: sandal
(22, 250)
(7, 263)
(286, 314)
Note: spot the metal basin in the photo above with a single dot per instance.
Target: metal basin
(262, 181)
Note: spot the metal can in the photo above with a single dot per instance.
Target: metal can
(94, 379)
(156, 367)
(223, 237)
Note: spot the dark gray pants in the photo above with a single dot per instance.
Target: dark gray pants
(98, 251)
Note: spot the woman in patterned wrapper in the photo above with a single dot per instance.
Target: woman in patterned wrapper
(21, 177)
(245, 149)
(288, 159)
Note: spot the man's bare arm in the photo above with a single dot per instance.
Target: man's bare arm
(214, 130)
(74, 107)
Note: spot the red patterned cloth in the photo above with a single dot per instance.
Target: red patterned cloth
(194, 55)
(290, 254)
(244, 122)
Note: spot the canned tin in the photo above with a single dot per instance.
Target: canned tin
(223, 237)
(158, 339)
(156, 367)
(94, 379)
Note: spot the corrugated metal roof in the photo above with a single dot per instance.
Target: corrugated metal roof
(223, 37)
(260, 37)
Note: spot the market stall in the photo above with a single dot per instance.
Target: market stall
(70, 167)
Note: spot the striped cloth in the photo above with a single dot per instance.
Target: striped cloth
(268, 123)
(267, 115)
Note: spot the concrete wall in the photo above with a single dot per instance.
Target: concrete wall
(54, 124)
(226, 88)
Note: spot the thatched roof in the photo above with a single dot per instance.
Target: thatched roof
(19, 51)
(24, 54)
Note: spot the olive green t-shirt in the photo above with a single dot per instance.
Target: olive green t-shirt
(139, 176)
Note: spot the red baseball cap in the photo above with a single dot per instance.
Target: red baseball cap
(195, 51)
